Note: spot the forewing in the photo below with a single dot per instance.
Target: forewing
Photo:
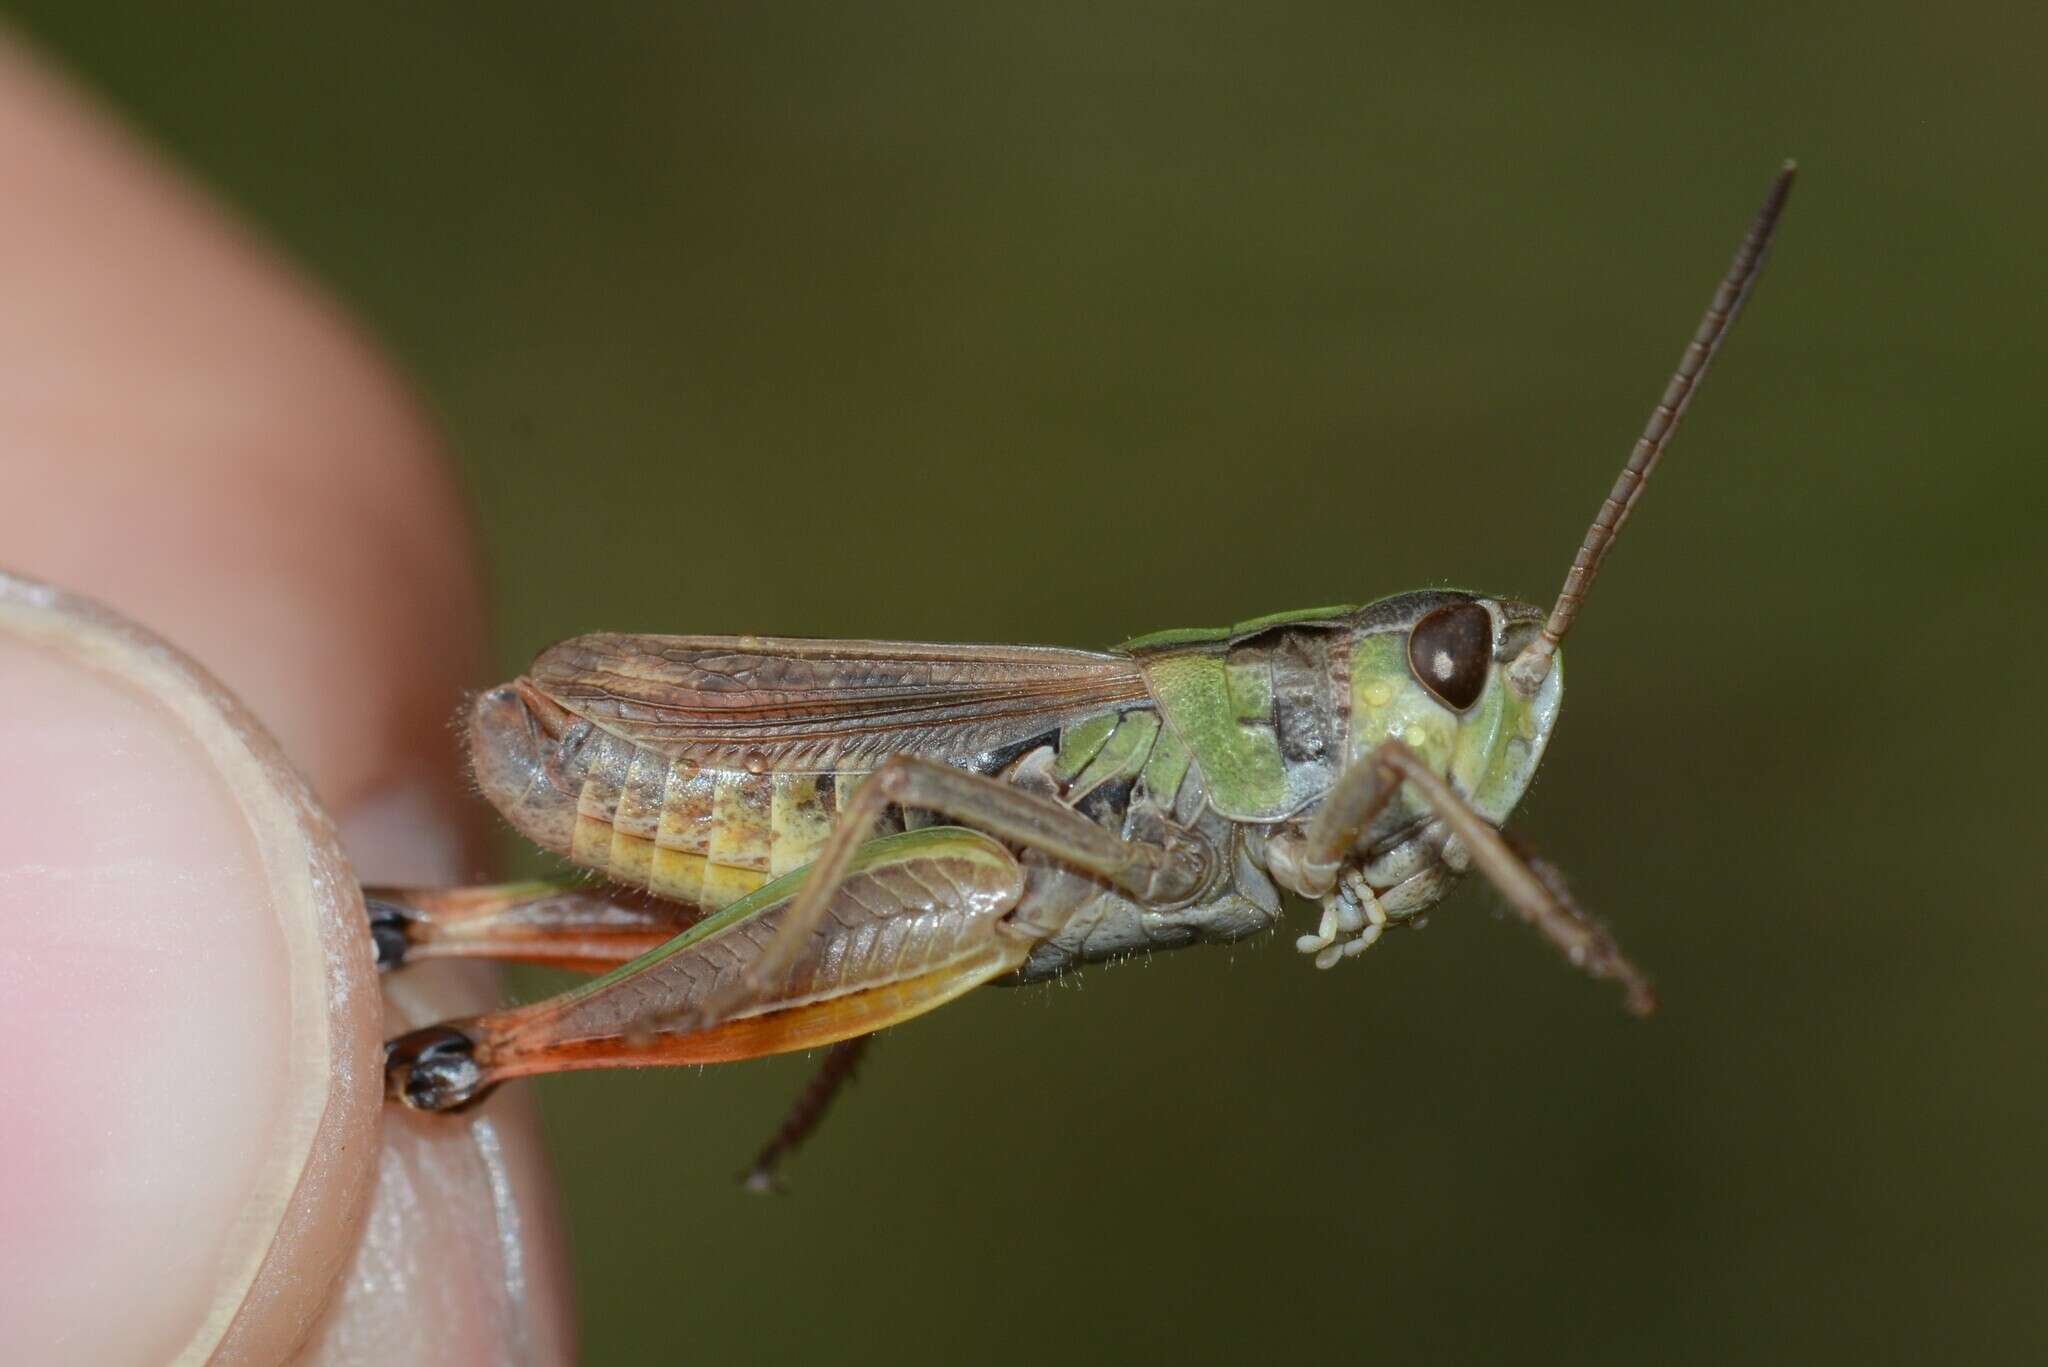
(788, 705)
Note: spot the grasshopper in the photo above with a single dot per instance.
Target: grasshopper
(808, 841)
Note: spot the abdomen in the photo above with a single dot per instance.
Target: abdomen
(695, 834)
(679, 829)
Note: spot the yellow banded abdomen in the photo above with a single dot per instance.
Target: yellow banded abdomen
(700, 835)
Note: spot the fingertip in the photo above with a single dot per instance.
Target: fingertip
(192, 1016)
(194, 436)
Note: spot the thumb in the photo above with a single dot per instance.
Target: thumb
(190, 432)
(191, 1016)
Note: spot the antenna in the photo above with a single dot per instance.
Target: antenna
(1533, 664)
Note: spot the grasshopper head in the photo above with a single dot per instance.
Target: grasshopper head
(1470, 686)
(1480, 689)
(1433, 669)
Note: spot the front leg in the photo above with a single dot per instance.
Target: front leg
(1533, 889)
(1353, 909)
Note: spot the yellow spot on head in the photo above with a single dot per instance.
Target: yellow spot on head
(1379, 693)
(1417, 736)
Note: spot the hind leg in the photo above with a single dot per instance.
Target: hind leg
(1158, 875)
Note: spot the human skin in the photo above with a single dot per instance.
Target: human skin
(192, 437)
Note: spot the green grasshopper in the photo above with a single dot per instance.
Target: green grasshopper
(810, 841)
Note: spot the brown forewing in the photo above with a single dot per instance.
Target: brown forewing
(782, 705)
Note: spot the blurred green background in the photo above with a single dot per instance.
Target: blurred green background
(1071, 323)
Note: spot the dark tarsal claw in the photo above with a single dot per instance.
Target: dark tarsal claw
(434, 1069)
(390, 932)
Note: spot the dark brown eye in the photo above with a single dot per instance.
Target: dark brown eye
(1450, 649)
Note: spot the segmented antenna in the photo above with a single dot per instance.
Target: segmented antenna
(1529, 669)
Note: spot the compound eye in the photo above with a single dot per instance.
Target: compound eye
(1450, 651)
